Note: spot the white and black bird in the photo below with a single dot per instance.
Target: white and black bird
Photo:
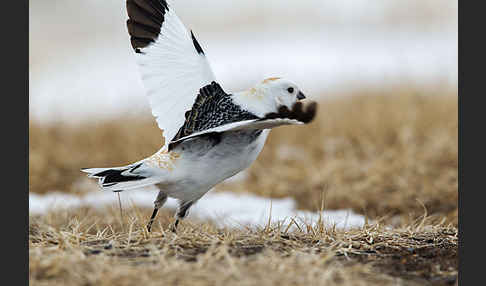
(209, 135)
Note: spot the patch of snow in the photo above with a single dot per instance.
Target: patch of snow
(224, 208)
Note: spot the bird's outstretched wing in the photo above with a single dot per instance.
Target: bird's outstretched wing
(284, 116)
(171, 61)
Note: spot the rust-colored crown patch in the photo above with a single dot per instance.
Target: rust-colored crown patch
(270, 79)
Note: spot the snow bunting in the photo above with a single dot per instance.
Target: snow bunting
(210, 135)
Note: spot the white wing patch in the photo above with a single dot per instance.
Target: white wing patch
(172, 71)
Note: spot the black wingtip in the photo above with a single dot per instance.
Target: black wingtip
(297, 112)
(145, 19)
(196, 44)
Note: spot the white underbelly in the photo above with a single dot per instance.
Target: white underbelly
(198, 169)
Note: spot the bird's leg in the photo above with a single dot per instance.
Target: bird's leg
(174, 226)
(159, 202)
(181, 213)
(149, 225)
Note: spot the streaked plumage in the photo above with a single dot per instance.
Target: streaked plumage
(210, 135)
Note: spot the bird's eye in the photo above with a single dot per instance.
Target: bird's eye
(290, 89)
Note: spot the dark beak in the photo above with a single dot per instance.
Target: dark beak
(300, 95)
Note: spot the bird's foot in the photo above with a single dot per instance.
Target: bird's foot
(173, 227)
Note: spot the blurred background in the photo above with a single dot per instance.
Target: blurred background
(384, 142)
(382, 149)
(81, 63)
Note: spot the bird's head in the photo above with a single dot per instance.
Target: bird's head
(283, 91)
(269, 95)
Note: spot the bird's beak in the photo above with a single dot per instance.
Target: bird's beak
(300, 95)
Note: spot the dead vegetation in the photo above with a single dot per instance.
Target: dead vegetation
(377, 154)
(384, 153)
(389, 154)
(88, 247)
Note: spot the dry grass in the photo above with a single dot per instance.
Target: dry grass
(380, 155)
(87, 247)
(384, 153)
(389, 154)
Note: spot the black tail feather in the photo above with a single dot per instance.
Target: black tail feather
(113, 176)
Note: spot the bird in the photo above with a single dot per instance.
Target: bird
(209, 135)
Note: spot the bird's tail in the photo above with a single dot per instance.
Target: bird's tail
(119, 179)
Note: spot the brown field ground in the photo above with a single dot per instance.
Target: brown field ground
(389, 154)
